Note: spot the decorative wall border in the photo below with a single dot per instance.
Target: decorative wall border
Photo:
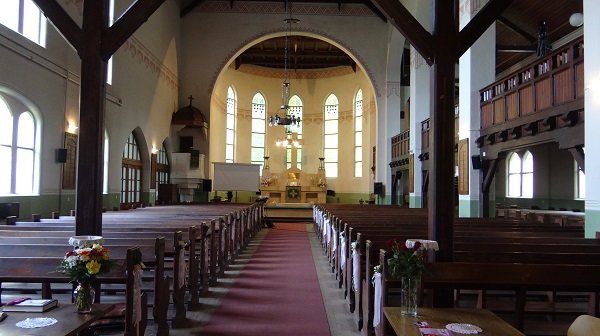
(144, 56)
(392, 88)
(278, 8)
(416, 60)
(470, 6)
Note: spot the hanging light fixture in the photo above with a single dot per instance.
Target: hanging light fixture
(285, 119)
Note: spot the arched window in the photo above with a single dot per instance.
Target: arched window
(24, 17)
(520, 175)
(131, 174)
(6, 142)
(527, 175)
(295, 109)
(18, 171)
(358, 133)
(230, 126)
(330, 133)
(25, 154)
(257, 143)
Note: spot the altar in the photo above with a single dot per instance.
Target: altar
(294, 194)
(294, 185)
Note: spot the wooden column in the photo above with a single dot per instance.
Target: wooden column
(91, 120)
(441, 187)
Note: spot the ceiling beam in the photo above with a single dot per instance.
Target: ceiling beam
(127, 24)
(375, 10)
(508, 24)
(513, 49)
(65, 25)
(190, 7)
(479, 24)
(410, 27)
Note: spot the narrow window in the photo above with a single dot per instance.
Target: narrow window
(257, 143)
(330, 142)
(358, 133)
(295, 109)
(230, 126)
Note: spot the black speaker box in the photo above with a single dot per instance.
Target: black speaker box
(61, 155)
(206, 185)
(378, 188)
(476, 161)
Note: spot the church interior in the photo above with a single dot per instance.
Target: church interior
(201, 134)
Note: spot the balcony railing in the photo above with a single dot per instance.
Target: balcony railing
(400, 144)
(552, 81)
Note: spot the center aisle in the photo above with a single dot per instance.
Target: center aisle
(277, 292)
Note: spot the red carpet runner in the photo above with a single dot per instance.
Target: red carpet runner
(277, 293)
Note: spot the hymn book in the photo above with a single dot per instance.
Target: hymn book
(30, 305)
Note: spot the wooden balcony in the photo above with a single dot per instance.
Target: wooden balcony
(543, 97)
(400, 145)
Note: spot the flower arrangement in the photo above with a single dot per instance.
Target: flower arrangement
(322, 183)
(405, 261)
(265, 181)
(84, 264)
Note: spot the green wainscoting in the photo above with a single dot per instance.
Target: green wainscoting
(468, 208)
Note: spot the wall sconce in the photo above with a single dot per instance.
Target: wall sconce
(72, 128)
(154, 150)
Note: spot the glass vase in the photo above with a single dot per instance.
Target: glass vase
(410, 295)
(84, 296)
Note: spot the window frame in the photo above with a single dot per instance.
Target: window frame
(520, 173)
(23, 21)
(331, 110)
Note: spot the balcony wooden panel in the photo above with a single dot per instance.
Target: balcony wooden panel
(527, 102)
(499, 111)
(541, 85)
(512, 106)
(400, 145)
(562, 86)
(579, 85)
(543, 94)
(486, 116)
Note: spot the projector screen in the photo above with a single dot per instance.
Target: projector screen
(236, 176)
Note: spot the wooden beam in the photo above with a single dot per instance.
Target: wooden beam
(91, 120)
(65, 25)
(578, 156)
(375, 10)
(190, 7)
(127, 24)
(403, 20)
(479, 24)
(508, 24)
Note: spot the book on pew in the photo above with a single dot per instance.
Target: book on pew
(30, 305)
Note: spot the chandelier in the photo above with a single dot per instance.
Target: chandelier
(285, 119)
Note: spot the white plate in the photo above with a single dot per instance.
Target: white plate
(36, 322)
(464, 328)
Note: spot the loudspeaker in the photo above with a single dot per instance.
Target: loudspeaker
(476, 161)
(207, 185)
(330, 192)
(61, 155)
(378, 188)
